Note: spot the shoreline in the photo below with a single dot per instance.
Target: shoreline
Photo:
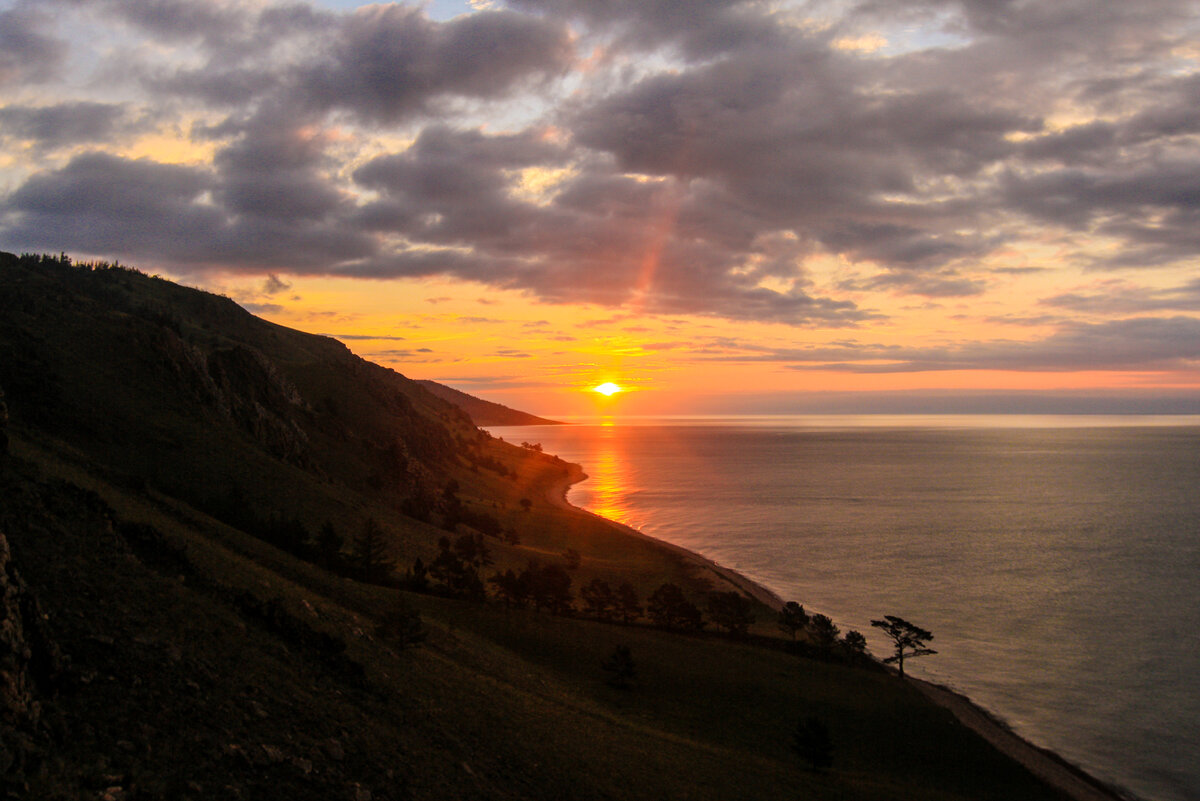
(1074, 782)
(556, 494)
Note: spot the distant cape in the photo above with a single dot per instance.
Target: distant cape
(482, 412)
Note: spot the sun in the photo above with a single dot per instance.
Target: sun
(607, 388)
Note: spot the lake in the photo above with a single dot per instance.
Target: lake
(1056, 559)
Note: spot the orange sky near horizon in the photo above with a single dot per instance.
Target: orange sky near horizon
(546, 358)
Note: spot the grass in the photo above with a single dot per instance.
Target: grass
(513, 704)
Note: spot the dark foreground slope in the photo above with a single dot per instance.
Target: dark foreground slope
(159, 640)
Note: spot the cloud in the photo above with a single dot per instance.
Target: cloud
(594, 241)
(262, 308)
(1138, 344)
(177, 20)
(99, 203)
(387, 61)
(731, 159)
(27, 55)
(63, 124)
(367, 337)
(273, 285)
(1125, 299)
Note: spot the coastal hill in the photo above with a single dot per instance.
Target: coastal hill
(238, 561)
(483, 412)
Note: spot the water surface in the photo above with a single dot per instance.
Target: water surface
(1056, 559)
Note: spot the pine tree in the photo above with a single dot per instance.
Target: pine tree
(619, 666)
(370, 552)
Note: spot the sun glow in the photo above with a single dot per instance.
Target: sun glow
(607, 388)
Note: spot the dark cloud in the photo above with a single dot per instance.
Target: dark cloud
(388, 61)
(789, 139)
(27, 54)
(1153, 208)
(103, 204)
(63, 124)
(707, 154)
(245, 215)
(274, 171)
(603, 237)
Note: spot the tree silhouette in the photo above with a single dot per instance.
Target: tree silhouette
(599, 599)
(472, 550)
(731, 611)
(908, 638)
(855, 642)
(453, 573)
(329, 546)
(402, 625)
(792, 618)
(512, 589)
(550, 587)
(825, 631)
(811, 741)
(667, 606)
(619, 666)
(370, 549)
(418, 576)
(629, 606)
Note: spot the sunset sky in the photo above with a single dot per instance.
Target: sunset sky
(721, 206)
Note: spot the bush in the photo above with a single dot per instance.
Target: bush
(811, 741)
(620, 669)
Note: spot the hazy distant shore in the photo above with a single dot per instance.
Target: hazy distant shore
(1048, 766)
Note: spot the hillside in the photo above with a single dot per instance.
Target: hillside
(237, 561)
(483, 412)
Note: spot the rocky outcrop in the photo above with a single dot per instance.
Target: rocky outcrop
(242, 386)
(29, 663)
(3, 426)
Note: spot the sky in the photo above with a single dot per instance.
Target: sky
(723, 206)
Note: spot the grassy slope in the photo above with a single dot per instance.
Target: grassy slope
(175, 688)
(496, 704)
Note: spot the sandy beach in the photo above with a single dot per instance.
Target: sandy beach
(1073, 782)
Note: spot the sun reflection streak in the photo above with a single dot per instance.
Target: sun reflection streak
(608, 474)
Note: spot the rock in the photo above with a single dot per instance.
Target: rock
(30, 664)
(3, 426)
(361, 793)
(274, 754)
(333, 749)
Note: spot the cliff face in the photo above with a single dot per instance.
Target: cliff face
(29, 664)
(3, 425)
(107, 358)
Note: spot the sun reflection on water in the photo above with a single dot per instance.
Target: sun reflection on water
(608, 483)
